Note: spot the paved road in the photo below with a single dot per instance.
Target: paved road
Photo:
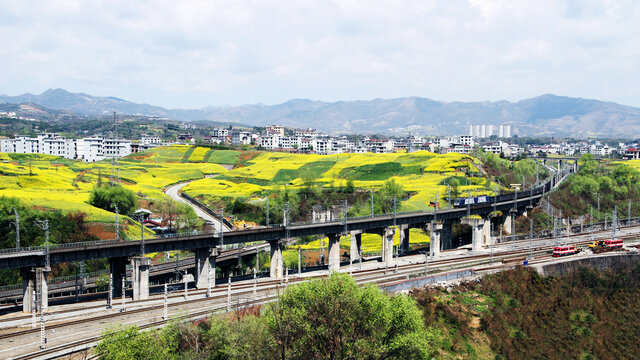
(173, 192)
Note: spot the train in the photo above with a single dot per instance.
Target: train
(565, 250)
(599, 246)
(485, 199)
(471, 201)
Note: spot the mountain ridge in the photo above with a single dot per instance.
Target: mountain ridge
(547, 114)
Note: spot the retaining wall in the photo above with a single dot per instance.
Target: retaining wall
(424, 281)
(602, 262)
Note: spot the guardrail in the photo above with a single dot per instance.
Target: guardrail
(204, 208)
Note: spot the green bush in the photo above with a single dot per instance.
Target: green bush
(104, 196)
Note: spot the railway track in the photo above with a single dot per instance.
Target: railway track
(216, 302)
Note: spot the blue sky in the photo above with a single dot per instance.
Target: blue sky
(191, 54)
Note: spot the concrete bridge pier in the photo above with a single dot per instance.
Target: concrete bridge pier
(403, 247)
(334, 252)
(118, 270)
(486, 231)
(477, 232)
(387, 245)
(28, 287)
(446, 235)
(435, 234)
(140, 277)
(507, 223)
(276, 270)
(34, 279)
(356, 246)
(205, 274)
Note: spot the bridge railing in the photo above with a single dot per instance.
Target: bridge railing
(500, 198)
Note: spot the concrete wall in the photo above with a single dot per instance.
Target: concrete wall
(424, 281)
(602, 262)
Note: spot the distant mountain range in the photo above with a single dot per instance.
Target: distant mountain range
(542, 115)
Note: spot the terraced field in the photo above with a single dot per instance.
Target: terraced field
(50, 182)
(422, 174)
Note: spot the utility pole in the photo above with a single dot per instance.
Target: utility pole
(165, 306)
(113, 205)
(124, 290)
(426, 263)
(371, 191)
(115, 125)
(629, 214)
(43, 333)
(221, 226)
(186, 286)
(598, 206)
(394, 211)
(591, 218)
(614, 222)
(17, 225)
(530, 238)
(491, 241)
(141, 236)
(44, 225)
(555, 231)
(229, 293)
(346, 213)
(267, 210)
(255, 284)
(299, 261)
(33, 310)
(110, 298)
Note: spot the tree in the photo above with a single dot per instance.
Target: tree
(129, 343)
(335, 319)
(103, 197)
(389, 190)
(587, 165)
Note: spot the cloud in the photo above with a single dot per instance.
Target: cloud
(198, 53)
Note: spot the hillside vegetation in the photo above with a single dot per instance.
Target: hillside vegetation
(616, 184)
(514, 314)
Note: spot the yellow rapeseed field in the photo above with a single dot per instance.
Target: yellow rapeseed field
(50, 182)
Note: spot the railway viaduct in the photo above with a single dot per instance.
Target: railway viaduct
(34, 263)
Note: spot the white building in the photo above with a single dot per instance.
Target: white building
(275, 130)
(150, 139)
(269, 142)
(241, 138)
(504, 131)
(220, 132)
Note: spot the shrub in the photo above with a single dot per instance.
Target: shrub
(103, 198)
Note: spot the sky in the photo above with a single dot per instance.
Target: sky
(192, 54)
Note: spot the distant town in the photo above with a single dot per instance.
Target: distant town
(489, 138)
